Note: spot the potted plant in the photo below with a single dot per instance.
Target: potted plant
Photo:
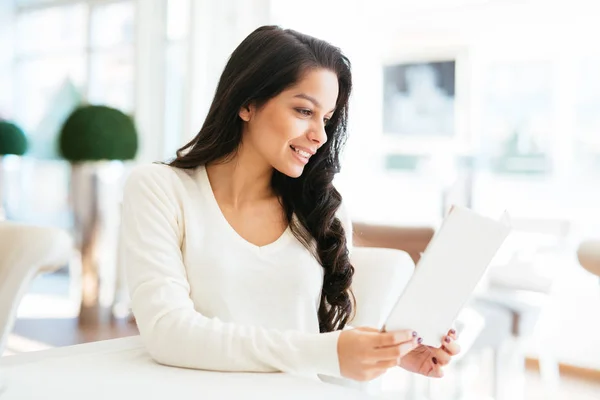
(12, 142)
(97, 140)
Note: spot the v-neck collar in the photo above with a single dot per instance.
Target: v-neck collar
(206, 189)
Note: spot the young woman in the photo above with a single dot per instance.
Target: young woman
(237, 251)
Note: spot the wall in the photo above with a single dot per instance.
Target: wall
(482, 34)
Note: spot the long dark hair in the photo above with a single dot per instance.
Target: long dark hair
(266, 63)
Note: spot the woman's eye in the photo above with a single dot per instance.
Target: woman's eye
(304, 111)
(326, 121)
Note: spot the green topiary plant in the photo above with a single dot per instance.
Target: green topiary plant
(12, 139)
(94, 133)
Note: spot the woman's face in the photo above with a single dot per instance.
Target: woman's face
(290, 128)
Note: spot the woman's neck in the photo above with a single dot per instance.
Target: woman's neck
(243, 179)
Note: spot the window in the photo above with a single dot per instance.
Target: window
(176, 74)
(112, 68)
(51, 30)
(587, 118)
(50, 71)
(66, 54)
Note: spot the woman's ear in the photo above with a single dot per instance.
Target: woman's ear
(246, 112)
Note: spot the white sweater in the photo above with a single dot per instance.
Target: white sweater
(206, 298)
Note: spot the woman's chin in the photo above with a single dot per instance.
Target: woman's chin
(293, 171)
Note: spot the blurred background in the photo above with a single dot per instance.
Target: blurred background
(494, 105)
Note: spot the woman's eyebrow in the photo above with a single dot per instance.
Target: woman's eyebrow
(311, 99)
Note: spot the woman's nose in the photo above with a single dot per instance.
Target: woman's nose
(318, 135)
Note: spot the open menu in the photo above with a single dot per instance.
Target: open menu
(447, 274)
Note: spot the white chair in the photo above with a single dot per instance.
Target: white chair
(26, 251)
(380, 276)
(588, 255)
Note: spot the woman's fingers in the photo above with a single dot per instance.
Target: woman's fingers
(386, 364)
(440, 357)
(395, 352)
(394, 338)
(453, 334)
(389, 347)
(450, 346)
(436, 372)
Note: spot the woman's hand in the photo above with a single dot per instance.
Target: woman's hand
(366, 353)
(428, 361)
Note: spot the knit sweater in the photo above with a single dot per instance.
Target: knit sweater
(206, 298)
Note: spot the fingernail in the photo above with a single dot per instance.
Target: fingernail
(452, 331)
(447, 339)
(420, 340)
(414, 334)
(434, 360)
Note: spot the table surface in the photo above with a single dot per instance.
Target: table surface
(122, 369)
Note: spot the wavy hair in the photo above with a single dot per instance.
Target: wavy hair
(266, 63)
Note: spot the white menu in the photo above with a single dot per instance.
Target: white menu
(448, 272)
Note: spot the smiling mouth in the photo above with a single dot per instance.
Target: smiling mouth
(301, 152)
(301, 155)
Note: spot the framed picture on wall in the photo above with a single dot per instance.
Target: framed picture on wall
(419, 99)
(424, 105)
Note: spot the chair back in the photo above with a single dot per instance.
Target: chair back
(25, 251)
(380, 276)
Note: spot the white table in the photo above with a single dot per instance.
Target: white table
(121, 369)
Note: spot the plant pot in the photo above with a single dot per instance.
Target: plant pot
(2, 183)
(10, 170)
(95, 193)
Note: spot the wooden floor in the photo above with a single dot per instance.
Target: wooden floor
(57, 332)
(33, 334)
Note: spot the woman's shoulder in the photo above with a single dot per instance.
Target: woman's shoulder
(149, 172)
(158, 177)
(158, 172)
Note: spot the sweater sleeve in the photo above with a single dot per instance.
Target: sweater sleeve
(173, 332)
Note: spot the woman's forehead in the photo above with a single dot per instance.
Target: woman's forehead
(318, 86)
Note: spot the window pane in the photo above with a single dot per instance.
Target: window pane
(176, 69)
(178, 19)
(587, 140)
(40, 193)
(111, 80)
(48, 90)
(32, 2)
(51, 30)
(113, 24)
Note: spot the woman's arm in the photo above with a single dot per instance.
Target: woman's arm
(172, 330)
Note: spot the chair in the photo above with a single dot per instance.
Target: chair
(372, 240)
(588, 255)
(411, 239)
(522, 286)
(26, 251)
(380, 275)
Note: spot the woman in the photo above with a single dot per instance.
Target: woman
(237, 252)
